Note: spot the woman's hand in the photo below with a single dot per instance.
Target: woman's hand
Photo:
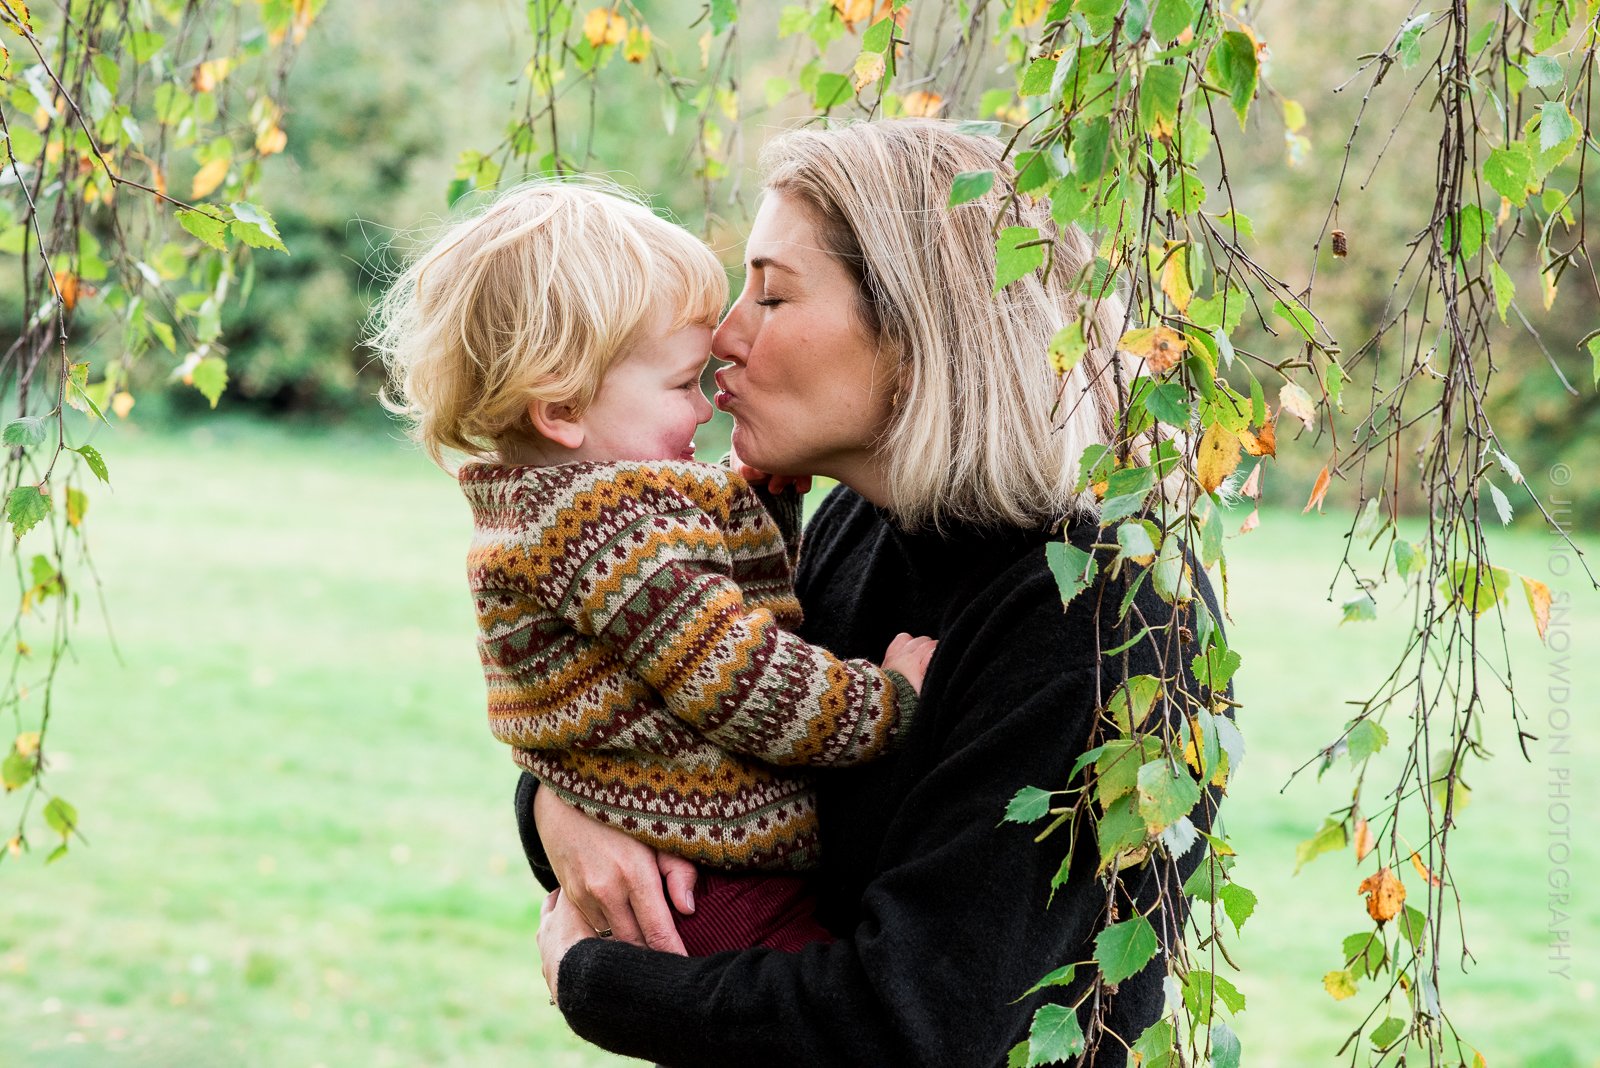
(612, 882)
(561, 927)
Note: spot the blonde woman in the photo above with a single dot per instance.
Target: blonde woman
(867, 346)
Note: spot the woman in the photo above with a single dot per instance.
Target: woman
(867, 346)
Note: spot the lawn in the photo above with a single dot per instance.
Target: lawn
(301, 849)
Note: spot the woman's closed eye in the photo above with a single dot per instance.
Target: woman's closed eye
(769, 302)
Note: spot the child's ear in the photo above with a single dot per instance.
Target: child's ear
(556, 423)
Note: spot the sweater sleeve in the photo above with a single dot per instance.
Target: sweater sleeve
(958, 909)
(649, 575)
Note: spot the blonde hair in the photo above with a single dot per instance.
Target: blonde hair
(533, 297)
(983, 429)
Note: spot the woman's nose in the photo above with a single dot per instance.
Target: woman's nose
(728, 341)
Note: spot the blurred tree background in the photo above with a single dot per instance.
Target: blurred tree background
(378, 117)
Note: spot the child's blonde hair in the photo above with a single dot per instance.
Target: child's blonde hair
(533, 298)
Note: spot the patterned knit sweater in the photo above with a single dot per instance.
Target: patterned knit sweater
(634, 628)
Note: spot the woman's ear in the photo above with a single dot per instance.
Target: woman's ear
(556, 423)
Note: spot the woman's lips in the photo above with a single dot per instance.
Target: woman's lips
(725, 396)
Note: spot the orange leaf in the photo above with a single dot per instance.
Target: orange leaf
(1385, 894)
(1364, 842)
(853, 11)
(1263, 442)
(1422, 869)
(67, 285)
(1538, 603)
(1251, 521)
(1160, 346)
(1319, 491)
(1218, 456)
(1175, 279)
(922, 105)
(122, 404)
(602, 26)
(637, 50)
(207, 178)
(271, 140)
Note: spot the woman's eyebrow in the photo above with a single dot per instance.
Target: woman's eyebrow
(767, 263)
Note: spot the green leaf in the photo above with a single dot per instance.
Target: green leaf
(970, 185)
(1476, 588)
(1171, 18)
(1386, 1033)
(16, 770)
(1169, 402)
(1095, 464)
(1297, 316)
(1170, 575)
(1158, 98)
(1122, 949)
(1073, 568)
(1233, 66)
(1202, 989)
(1120, 830)
(1062, 976)
(1226, 1051)
(1509, 171)
(207, 227)
(1238, 903)
(144, 46)
(1055, 1035)
(1013, 262)
(1116, 769)
(1134, 541)
(1153, 1048)
(210, 377)
(1594, 355)
(1408, 557)
(1091, 150)
(1222, 311)
(1556, 125)
(832, 90)
(1329, 838)
(252, 225)
(1187, 195)
(1542, 71)
(1018, 1057)
(1365, 739)
(61, 817)
(1037, 78)
(1359, 609)
(1029, 805)
(1166, 794)
(1133, 699)
(26, 508)
(97, 464)
(1505, 290)
(1365, 953)
(28, 430)
(1413, 925)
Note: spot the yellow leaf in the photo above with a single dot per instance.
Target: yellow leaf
(122, 404)
(28, 743)
(1175, 278)
(1318, 491)
(1067, 348)
(1364, 840)
(18, 9)
(14, 845)
(637, 49)
(922, 105)
(208, 75)
(1538, 603)
(1219, 455)
(1339, 984)
(869, 68)
(1160, 346)
(207, 178)
(24, 649)
(1027, 12)
(1385, 894)
(1294, 116)
(603, 26)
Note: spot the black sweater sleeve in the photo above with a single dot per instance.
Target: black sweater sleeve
(955, 924)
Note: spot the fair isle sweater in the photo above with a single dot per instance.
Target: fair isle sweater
(635, 629)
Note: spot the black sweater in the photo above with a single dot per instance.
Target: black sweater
(940, 907)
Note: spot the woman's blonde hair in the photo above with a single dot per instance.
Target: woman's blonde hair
(533, 297)
(983, 429)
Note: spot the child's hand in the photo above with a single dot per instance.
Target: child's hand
(909, 656)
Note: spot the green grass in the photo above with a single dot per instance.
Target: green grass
(301, 843)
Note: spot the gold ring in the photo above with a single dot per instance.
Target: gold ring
(603, 934)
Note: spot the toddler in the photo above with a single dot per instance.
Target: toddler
(635, 607)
